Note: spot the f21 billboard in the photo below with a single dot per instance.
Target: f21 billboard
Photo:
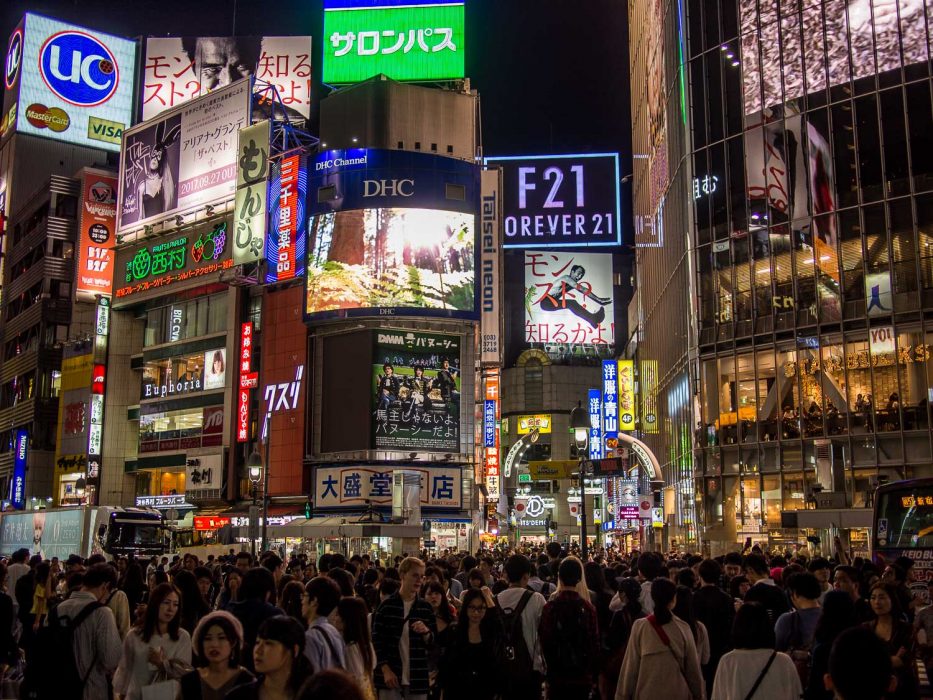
(391, 233)
(68, 83)
(553, 201)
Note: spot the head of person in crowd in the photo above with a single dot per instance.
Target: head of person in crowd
(674, 567)
(279, 652)
(332, 684)
(468, 563)
(893, 573)
(217, 639)
(664, 597)
(258, 584)
(686, 577)
(436, 597)
(20, 556)
(163, 612)
(838, 614)
(244, 562)
(204, 579)
(387, 588)
(884, 601)
(570, 577)
(630, 592)
(473, 611)
(352, 620)
(100, 580)
(859, 667)
(273, 562)
(518, 570)
(232, 581)
(291, 600)
(803, 590)
(73, 563)
(756, 568)
(475, 579)
(822, 569)
(752, 628)
(709, 572)
(846, 579)
(649, 566)
(595, 577)
(683, 608)
(732, 564)
(907, 565)
(320, 599)
(553, 550)
(344, 580)
(411, 572)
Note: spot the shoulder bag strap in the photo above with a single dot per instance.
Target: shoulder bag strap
(329, 643)
(761, 676)
(520, 608)
(652, 620)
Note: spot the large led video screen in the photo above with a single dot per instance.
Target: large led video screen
(827, 43)
(369, 262)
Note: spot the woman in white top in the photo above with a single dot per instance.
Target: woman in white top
(754, 661)
(160, 651)
(351, 620)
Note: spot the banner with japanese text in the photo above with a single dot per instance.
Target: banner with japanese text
(252, 193)
(354, 486)
(416, 391)
(178, 69)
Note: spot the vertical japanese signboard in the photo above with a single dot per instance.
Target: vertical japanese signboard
(97, 223)
(595, 410)
(248, 380)
(18, 484)
(626, 395)
(252, 194)
(648, 385)
(491, 435)
(490, 297)
(610, 400)
(287, 238)
(416, 382)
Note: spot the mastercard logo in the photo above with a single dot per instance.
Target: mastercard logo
(52, 118)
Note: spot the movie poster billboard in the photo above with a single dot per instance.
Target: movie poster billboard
(416, 391)
(569, 298)
(69, 83)
(391, 230)
(184, 159)
(179, 69)
(97, 223)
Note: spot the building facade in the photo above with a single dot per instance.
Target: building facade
(794, 163)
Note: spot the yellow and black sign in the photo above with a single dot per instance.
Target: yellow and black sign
(557, 469)
(541, 421)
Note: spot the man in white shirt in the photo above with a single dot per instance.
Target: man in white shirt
(518, 570)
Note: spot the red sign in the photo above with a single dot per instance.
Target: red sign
(288, 217)
(99, 379)
(204, 523)
(96, 231)
(248, 380)
(213, 420)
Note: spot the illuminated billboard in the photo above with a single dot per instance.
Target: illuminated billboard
(403, 39)
(286, 242)
(416, 391)
(355, 487)
(97, 223)
(184, 159)
(391, 230)
(560, 200)
(569, 298)
(69, 83)
(179, 69)
(824, 44)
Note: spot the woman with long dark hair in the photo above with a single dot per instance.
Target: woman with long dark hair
(444, 617)
(600, 594)
(232, 581)
(133, 585)
(661, 653)
(684, 610)
(620, 627)
(352, 619)
(159, 651)
(837, 615)
(217, 642)
(475, 648)
(897, 636)
(290, 601)
(280, 662)
(193, 604)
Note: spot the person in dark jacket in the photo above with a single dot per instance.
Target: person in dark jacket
(253, 608)
(715, 609)
(467, 670)
(838, 615)
(404, 613)
(764, 590)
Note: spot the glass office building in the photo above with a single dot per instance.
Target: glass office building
(810, 223)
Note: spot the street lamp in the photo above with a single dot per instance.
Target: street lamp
(580, 424)
(254, 469)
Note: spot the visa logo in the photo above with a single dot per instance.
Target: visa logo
(104, 130)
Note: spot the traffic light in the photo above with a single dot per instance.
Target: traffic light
(308, 510)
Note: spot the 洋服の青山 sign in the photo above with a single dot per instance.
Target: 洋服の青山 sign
(154, 267)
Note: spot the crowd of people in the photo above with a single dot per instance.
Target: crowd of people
(525, 624)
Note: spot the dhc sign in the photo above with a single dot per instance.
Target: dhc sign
(388, 188)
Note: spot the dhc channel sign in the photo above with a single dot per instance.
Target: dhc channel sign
(78, 68)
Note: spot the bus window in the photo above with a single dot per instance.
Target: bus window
(905, 518)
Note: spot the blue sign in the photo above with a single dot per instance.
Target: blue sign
(610, 399)
(79, 68)
(372, 178)
(595, 409)
(489, 424)
(18, 485)
(287, 239)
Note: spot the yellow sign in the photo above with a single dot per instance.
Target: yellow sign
(648, 376)
(559, 469)
(541, 421)
(626, 394)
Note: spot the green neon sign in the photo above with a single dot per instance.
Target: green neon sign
(404, 43)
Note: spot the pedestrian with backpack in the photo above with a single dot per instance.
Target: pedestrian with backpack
(569, 635)
(794, 630)
(80, 644)
(520, 610)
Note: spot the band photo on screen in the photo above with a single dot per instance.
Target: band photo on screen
(391, 258)
(416, 400)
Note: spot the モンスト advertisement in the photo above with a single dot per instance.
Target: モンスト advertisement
(416, 391)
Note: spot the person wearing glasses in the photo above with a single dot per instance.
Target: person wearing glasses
(475, 648)
(404, 629)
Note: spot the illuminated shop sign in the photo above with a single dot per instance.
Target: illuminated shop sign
(408, 40)
(540, 422)
(355, 486)
(490, 283)
(97, 222)
(208, 523)
(286, 241)
(175, 500)
(552, 201)
(862, 359)
(648, 374)
(185, 374)
(491, 435)
(183, 429)
(626, 397)
(248, 380)
(252, 194)
(610, 400)
(595, 410)
(18, 484)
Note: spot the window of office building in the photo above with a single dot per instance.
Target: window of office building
(186, 319)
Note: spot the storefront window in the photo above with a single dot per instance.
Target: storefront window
(185, 374)
(912, 395)
(833, 382)
(771, 501)
(794, 491)
(183, 429)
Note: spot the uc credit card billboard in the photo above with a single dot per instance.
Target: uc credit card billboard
(391, 233)
(74, 84)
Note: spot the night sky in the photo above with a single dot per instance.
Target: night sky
(551, 73)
